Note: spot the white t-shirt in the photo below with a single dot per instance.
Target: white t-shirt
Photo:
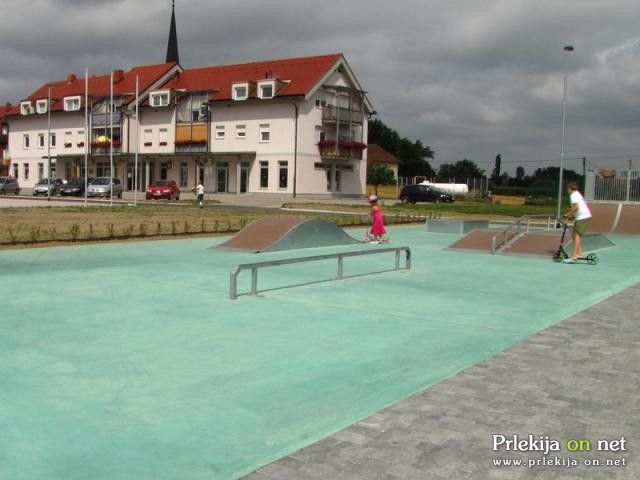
(200, 189)
(583, 210)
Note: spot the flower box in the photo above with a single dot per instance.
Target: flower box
(67, 145)
(163, 144)
(107, 144)
(148, 144)
(81, 144)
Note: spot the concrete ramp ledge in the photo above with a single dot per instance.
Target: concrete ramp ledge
(272, 234)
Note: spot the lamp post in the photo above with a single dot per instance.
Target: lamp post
(567, 49)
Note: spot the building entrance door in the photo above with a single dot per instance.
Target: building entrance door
(222, 174)
(244, 177)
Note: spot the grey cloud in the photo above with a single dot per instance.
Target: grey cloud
(469, 78)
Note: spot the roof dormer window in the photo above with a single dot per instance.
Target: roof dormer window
(72, 104)
(241, 91)
(41, 106)
(160, 98)
(266, 89)
(26, 108)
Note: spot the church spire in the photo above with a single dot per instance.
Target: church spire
(172, 47)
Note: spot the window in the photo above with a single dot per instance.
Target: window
(184, 174)
(40, 171)
(241, 131)
(220, 132)
(103, 169)
(321, 103)
(68, 138)
(160, 99)
(15, 170)
(52, 140)
(5, 129)
(26, 108)
(25, 140)
(264, 133)
(72, 104)
(264, 174)
(163, 137)
(81, 138)
(25, 171)
(241, 91)
(283, 174)
(41, 140)
(41, 106)
(148, 132)
(266, 89)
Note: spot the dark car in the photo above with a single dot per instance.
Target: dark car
(163, 189)
(46, 185)
(423, 193)
(9, 185)
(74, 187)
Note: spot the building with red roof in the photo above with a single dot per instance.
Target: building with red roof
(296, 126)
(377, 154)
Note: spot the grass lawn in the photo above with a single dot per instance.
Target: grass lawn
(46, 225)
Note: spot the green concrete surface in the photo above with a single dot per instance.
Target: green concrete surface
(129, 360)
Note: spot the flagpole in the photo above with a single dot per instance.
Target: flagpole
(135, 168)
(111, 142)
(86, 133)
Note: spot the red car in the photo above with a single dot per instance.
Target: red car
(163, 189)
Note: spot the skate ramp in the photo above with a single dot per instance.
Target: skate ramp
(529, 243)
(615, 217)
(536, 243)
(272, 234)
(479, 240)
(628, 219)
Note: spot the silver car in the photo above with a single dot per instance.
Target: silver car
(43, 186)
(9, 185)
(101, 187)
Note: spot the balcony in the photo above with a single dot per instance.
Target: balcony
(331, 114)
(102, 147)
(192, 138)
(331, 149)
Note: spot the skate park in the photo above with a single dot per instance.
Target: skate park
(142, 374)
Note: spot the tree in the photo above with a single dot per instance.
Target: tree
(495, 175)
(413, 155)
(379, 174)
(461, 170)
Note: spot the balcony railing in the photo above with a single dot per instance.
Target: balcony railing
(329, 149)
(331, 114)
(99, 147)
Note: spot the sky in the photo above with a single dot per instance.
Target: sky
(469, 78)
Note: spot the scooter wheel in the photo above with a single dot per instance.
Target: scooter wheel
(592, 259)
(557, 258)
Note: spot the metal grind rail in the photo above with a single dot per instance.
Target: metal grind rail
(523, 225)
(235, 271)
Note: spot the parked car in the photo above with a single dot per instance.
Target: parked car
(423, 193)
(44, 185)
(9, 185)
(102, 186)
(74, 187)
(163, 189)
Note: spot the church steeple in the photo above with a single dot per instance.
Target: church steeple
(172, 47)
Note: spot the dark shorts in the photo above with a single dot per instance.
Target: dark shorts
(580, 226)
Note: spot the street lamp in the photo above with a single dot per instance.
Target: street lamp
(567, 49)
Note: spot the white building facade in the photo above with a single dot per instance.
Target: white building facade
(293, 126)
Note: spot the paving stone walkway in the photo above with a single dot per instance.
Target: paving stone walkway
(578, 380)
